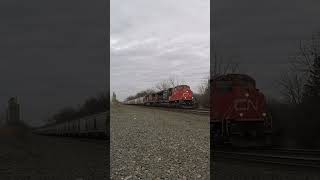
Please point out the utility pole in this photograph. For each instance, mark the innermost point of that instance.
(316, 43)
(13, 111)
(114, 98)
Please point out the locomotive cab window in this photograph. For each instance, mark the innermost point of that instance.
(223, 86)
(182, 87)
(185, 87)
(243, 83)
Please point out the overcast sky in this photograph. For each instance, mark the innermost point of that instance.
(155, 40)
(151, 40)
(53, 54)
(261, 35)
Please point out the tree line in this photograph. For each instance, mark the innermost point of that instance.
(140, 94)
(91, 105)
(297, 117)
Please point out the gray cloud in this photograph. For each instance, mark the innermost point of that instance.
(155, 40)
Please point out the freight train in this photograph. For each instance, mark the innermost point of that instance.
(179, 96)
(89, 126)
(238, 112)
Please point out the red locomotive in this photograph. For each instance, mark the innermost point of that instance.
(238, 110)
(179, 96)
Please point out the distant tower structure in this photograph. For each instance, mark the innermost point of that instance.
(13, 111)
(114, 98)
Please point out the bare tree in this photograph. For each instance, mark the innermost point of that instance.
(149, 91)
(144, 92)
(292, 87)
(164, 84)
(202, 98)
(204, 87)
(130, 98)
(301, 66)
(171, 82)
(303, 60)
(224, 66)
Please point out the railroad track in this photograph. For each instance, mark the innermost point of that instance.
(193, 111)
(277, 151)
(274, 156)
(298, 152)
(184, 110)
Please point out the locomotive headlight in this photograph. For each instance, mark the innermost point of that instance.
(264, 114)
(241, 114)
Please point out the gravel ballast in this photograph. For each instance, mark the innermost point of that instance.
(158, 144)
(36, 157)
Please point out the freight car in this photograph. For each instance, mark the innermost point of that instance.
(238, 113)
(179, 96)
(89, 126)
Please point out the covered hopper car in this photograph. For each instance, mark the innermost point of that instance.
(89, 126)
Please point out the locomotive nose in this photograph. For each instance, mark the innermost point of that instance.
(187, 94)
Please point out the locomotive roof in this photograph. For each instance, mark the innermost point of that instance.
(182, 85)
(236, 77)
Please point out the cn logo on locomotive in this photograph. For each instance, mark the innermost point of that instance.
(245, 104)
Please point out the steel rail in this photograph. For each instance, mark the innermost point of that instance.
(185, 110)
(264, 158)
